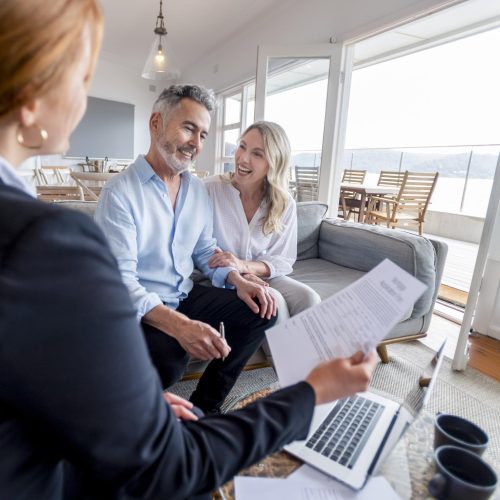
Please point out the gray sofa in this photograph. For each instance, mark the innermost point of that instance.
(333, 253)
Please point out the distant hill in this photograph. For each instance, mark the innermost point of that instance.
(448, 165)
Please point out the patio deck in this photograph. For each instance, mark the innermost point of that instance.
(459, 264)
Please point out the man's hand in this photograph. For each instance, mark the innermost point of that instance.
(248, 291)
(200, 340)
(180, 406)
(227, 259)
(342, 377)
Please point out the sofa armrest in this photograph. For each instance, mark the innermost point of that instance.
(309, 217)
(362, 247)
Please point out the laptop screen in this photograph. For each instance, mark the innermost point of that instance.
(418, 397)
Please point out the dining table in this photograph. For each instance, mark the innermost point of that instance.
(366, 191)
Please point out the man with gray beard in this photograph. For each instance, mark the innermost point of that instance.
(158, 221)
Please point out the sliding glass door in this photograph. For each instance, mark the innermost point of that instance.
(301, 89)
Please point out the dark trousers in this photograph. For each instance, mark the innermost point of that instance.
(244, 334)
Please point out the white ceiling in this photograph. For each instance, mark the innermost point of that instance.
(479, 13)
(194, 27)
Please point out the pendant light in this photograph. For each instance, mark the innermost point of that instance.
(156, 63)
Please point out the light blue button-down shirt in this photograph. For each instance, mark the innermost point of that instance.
(156, 248)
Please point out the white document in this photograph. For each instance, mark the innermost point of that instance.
(375, 487)
(250, 488)
(355, 319)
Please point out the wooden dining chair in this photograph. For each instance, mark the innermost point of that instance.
(306, 183)
(90, 183)
(350, 201)
(53, 183)
(409, 205)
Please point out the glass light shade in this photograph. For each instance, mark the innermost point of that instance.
(156, 67)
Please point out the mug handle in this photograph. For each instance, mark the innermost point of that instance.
(437, 485)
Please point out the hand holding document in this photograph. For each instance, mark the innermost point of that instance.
(355, 319)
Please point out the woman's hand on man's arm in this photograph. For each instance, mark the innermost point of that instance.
(228, 259)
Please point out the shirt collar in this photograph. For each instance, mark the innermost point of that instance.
(145, 171)
(11, 178)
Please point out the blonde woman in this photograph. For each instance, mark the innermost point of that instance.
(255, 217)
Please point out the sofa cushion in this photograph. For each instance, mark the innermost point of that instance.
(309, 217)
(362, 247)
(327, 278)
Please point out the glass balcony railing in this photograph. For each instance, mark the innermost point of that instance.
(465, 172)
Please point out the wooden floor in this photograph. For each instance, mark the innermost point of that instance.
(484, 353)
(459, 264)
(453, 295)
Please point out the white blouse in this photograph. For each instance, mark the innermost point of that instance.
(246, 240)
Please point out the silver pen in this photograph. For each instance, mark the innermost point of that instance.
(222, 333)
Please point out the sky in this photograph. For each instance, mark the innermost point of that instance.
(447, 95)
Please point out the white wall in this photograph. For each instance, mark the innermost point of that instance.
(296, 22)
(119, 83)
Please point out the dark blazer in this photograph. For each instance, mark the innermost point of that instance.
(81, 408)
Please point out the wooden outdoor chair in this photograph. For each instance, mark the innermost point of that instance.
(409, 205)
(354, 176)
(349, 201)
(390, 178)
(306, 183)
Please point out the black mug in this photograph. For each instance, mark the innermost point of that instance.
(461, 475)
(458, 431)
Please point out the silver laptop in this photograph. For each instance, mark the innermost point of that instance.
(350, 438)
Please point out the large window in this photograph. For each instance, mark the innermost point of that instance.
(237, 113)
(433, 110)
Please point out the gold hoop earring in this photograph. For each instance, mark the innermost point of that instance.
(41, 131)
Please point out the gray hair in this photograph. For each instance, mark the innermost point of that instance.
(170, 98)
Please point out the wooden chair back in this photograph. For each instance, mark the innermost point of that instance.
(390, 178)
(90, 183)
(306, 183)
(354, 176)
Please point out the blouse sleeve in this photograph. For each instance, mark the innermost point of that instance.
(281, 253)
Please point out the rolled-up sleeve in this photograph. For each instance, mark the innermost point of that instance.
(118, 225)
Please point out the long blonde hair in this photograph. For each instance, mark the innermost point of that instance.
(277, 151)
(39, 39)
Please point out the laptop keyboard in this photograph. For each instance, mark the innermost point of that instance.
(344, 431)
